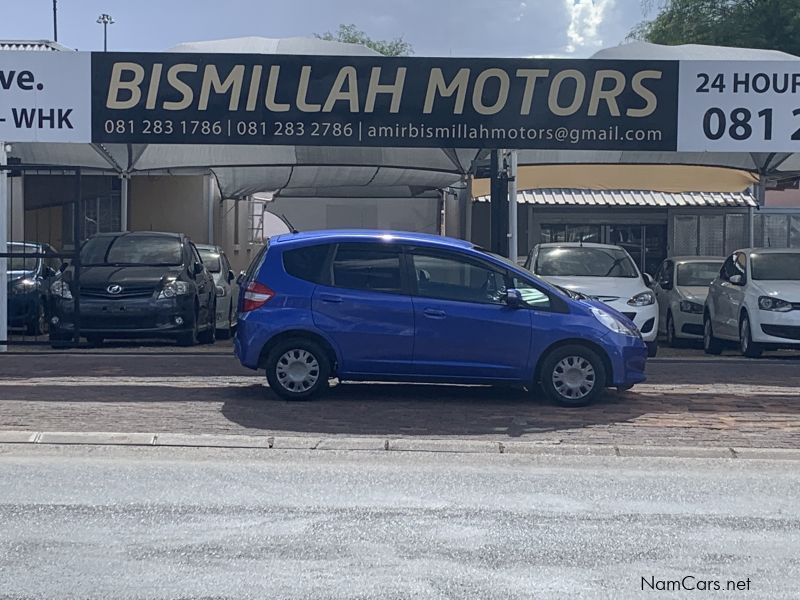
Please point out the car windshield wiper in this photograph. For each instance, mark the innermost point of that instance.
(614, 265)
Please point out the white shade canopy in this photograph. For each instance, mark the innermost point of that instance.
(763, 163)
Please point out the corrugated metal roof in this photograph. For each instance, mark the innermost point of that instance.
(573, 197)
(32, 45)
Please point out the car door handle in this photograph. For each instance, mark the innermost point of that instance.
(434, 313)
(330, 298)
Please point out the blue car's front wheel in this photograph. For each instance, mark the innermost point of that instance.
(573, 375)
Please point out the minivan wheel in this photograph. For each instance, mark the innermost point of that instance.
(297, 369)
(711, 345)
(749, 348)
(573, 375)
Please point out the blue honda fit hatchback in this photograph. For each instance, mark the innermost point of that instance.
(392, 306)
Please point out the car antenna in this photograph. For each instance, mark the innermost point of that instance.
(288, 224)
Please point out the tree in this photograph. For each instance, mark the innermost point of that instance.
(351, 34)
(769, 24)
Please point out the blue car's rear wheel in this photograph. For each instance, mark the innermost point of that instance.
(297, 369)
(573, 375)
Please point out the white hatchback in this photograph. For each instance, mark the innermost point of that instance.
(602, 271)
(754, 301)
(681, 288)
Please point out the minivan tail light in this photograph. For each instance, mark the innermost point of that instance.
(256, 295)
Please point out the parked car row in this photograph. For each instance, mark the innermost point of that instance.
(131, 285)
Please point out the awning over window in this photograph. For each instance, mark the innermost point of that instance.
(632, 198)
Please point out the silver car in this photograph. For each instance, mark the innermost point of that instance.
(217, 263)
(681, 286)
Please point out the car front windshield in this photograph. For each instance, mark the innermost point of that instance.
(774, 266)
(699, 274)
(132, 250)
(210, 259)
(584, 261)
(22, 262)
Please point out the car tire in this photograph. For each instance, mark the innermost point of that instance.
(671, 338)
(209, 335)
(297, 369)
(189, 338)
(225, 334)
(573, 375)
(747, 346)
(38, 325)
(652, 349)
(711, 345)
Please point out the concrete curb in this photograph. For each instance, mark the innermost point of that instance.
(374, 444)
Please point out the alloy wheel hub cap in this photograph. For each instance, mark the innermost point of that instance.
(574, 377)
(297, 370)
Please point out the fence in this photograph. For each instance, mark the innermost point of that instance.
(45, 231)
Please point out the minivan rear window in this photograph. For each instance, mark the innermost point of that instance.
(307, 263)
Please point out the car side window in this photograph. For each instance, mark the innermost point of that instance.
(727, 269)
(307, 263)
(740, 263)
(531, 295)
(373, 267)
(448, 276)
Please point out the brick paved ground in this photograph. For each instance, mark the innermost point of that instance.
(682, 404)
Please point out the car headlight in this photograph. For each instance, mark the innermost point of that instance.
(643, 299)
(172, 289)
(22, 286)
(614, 324)
(220, 291)
(60, 289)
(688, 306)
(775, 304)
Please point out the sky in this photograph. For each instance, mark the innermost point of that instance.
(509, 28)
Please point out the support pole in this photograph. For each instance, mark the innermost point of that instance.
(513, 230)
(209, 190)
(499, 211)
(3, 246)
(123, 202)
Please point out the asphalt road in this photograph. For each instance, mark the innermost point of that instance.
(179, 523)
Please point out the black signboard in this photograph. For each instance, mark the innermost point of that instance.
(377, 101)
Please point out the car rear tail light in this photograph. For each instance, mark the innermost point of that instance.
(256, 295)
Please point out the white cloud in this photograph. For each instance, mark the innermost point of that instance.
(585, 18)
(521, 11)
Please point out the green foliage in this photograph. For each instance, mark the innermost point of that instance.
(353, 35)
(769, 24)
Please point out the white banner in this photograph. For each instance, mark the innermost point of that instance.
(45, 96)
(742, 106)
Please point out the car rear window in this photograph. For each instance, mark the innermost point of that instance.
(306, 263)
(211, 259)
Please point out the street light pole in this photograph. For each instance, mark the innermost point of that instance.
(55, 20)
(105, 20)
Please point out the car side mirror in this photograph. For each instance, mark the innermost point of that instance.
(231, 276)
(63, 267)
(736, 280)
(648, 279)
(240, 278)
(48, 272)
(198, 268)
(513, 298)
(665, 284)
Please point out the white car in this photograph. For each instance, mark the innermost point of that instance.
(755, 301)
(681, 286)
(602, 271)
(217, 263)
